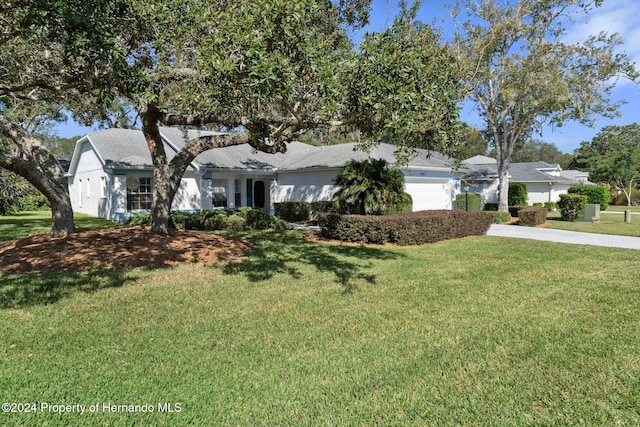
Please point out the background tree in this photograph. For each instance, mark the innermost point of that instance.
(536, 151)
(612, 157)
(371, 187)
(472, 143)
(522, 74)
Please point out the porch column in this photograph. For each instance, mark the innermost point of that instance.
(273, 193)
(119, 198)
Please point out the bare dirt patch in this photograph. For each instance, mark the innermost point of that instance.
(118, 247)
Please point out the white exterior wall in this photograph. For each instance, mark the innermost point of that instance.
(488, 191)
(308, 186)
(188, 197)
(85, 187)
(430, 193)
(542, 192)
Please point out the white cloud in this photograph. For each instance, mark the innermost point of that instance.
(614, 16)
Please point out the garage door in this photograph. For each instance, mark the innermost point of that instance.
(429, 194)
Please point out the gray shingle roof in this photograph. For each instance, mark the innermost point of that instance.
(124, 148)
(479, 168)
(531, 172)
(128, 149)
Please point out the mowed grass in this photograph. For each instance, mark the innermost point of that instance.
(611, 222)
(476, 331)
(28, 223)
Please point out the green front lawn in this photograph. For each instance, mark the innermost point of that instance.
(37, 222)
(476, 331)
(611, 222)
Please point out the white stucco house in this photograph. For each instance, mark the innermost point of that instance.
(545, 182)
(111, 175)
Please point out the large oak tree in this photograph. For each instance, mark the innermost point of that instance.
(268, 72)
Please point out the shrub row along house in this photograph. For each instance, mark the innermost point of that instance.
(111, 175)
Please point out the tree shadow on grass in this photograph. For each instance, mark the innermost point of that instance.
(284, 252)
(31, 289)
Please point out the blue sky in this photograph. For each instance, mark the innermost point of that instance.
(621, 16)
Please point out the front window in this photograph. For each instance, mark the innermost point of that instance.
(139, 193)
(219, 193)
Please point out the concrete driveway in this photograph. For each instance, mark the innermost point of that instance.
(562, 236)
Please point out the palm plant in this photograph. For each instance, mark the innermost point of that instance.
(370, 187)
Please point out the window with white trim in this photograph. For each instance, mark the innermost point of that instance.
(219, 193)
(139, 193)
(103, 187)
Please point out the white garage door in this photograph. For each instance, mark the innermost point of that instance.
(429, 194)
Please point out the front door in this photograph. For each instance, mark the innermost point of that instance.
(259, 194)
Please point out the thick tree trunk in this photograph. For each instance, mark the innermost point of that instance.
(162, 194)
(33, 161)
(503, 189)
(168, 175)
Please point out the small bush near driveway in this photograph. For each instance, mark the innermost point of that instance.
(532, 217)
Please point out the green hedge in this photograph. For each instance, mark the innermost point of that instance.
(475, 201)
(501, 217)
(325, 206)
(217, 219)
(532, 216)
(595, 194)
(517, 194)
(492, 207)
(513, 210)
(572, 206)
(413, 228)
(293, 211)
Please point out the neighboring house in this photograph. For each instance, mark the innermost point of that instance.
(545, 182)
(111, 174)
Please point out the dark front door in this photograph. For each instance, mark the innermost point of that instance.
(259, 194)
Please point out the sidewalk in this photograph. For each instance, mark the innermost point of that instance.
(562, 236)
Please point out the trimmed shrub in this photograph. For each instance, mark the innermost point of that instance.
(492, 207)
(595, 194)
(327, 206)
(475, 201)
(293, 211)
(215, 220)
(236, 222)
(551, 206)
(532, 216)
(501, 217)
(513, 210)
(413, 228)
(517, 194)
(572, 206)
(185, 220)
(138, 219)
(257, 219)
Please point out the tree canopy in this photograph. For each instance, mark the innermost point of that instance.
(269, 72)
(522, 74)
(612, 157)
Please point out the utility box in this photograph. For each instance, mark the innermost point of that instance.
(591, 213)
